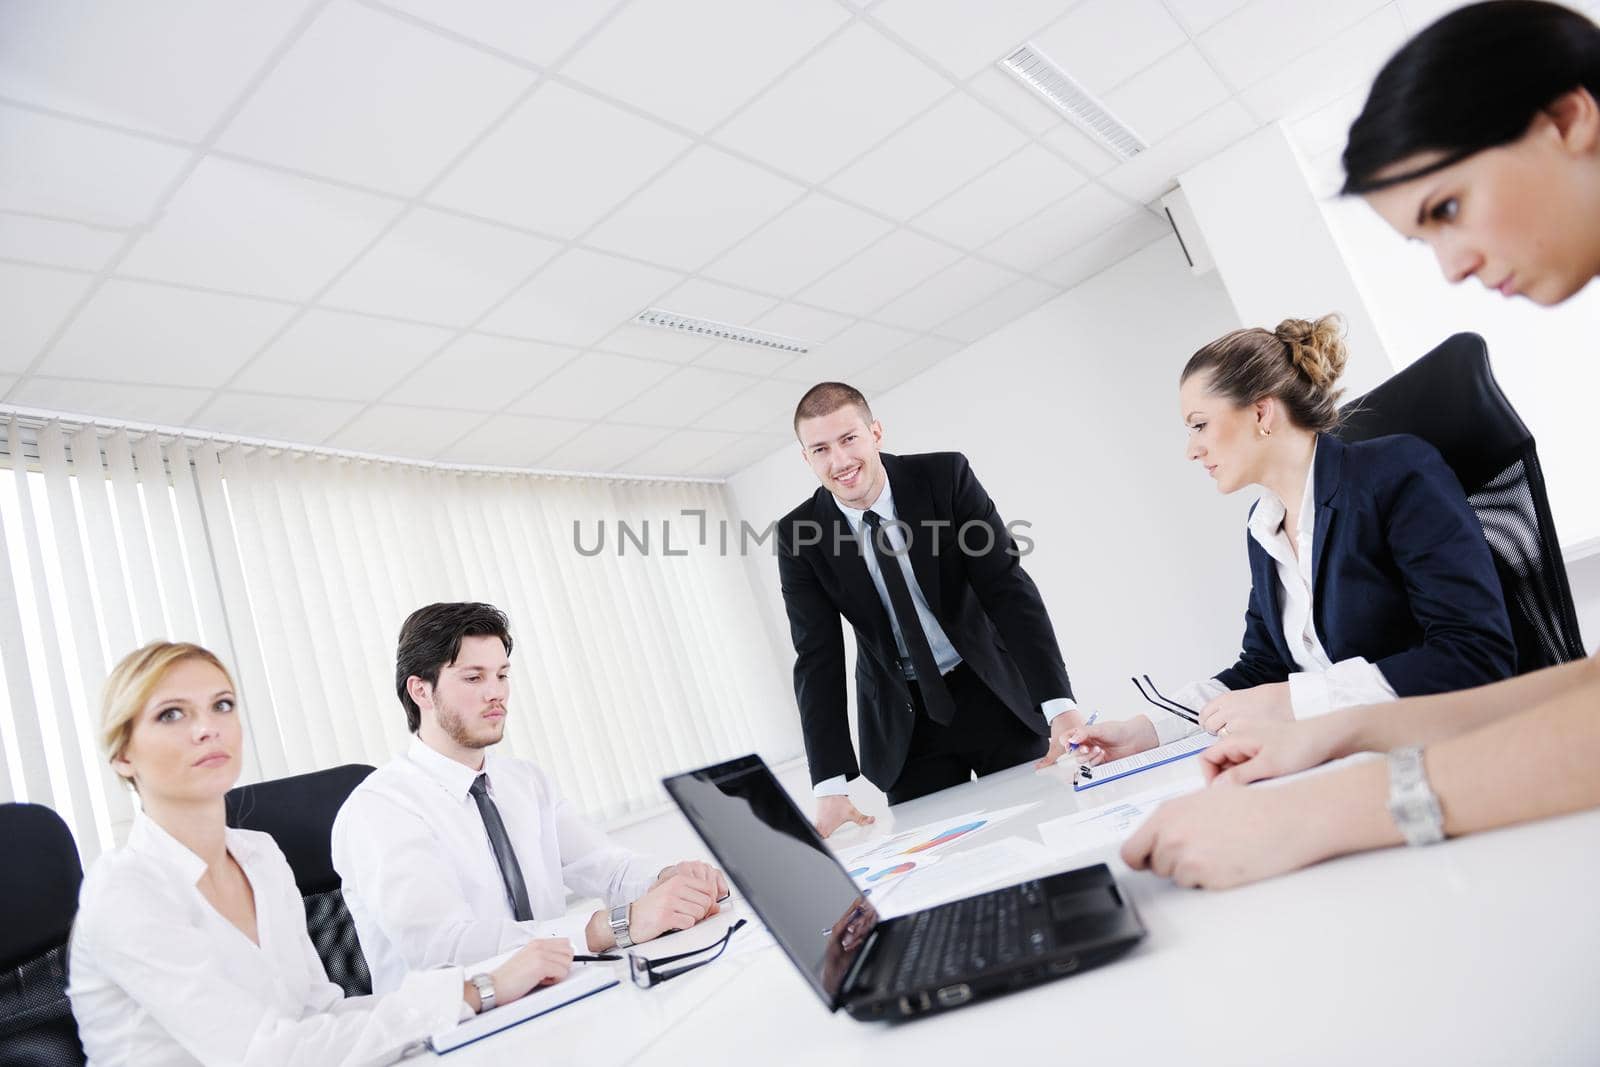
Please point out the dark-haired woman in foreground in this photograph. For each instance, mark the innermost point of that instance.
(1481, 137)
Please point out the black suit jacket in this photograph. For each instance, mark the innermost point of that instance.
(1401, 575)
(987, 605)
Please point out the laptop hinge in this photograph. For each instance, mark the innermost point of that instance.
(848, 985)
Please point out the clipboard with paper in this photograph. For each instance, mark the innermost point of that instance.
(1149, 759)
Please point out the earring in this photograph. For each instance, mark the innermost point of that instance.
(1265, 432)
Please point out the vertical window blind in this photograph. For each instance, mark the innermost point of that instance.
(297, 567)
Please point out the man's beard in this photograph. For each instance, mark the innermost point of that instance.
(455, 728)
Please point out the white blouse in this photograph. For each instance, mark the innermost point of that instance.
(159, 978)
(1320, 685)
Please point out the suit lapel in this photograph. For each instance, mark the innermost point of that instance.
(1327, 469)
(1264, 575)
(843, 553)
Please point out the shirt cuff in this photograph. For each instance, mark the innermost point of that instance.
(837, 786)
(573, 926)
(1196, 695)
(1308, 694)
(1058, 706)
(431, 1000)
(1348, 683)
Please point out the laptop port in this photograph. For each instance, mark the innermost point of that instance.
(915, 1004)
(951, 995)
(1066, 966)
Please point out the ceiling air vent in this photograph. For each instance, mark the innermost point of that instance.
(1039, 72)
(719, 331)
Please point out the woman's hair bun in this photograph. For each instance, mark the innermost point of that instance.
(1315, 348)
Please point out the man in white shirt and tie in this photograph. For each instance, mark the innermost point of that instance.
(454, 853)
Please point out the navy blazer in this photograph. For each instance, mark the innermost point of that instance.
(1401, 575)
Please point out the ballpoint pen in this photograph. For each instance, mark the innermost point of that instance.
(1088, 723)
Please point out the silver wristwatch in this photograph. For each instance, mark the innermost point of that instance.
(1412, 803)
(485, 987)
(619, 926)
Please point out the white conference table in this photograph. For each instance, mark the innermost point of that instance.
(1483, 950)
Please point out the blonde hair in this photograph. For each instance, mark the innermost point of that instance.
(131, 682)
(1297, 364)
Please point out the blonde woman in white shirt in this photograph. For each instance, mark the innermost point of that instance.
(1371, 578)
(190, 945)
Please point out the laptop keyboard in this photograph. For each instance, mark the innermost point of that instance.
(955, 941)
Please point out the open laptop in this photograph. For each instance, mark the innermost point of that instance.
(911, 965)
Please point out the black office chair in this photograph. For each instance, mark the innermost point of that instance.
(298, 812)
(38, 899)
(1450, 399)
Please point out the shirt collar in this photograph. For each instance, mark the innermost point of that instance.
(147, 838)
(884, 506)
(1270, 511)
(455, 778)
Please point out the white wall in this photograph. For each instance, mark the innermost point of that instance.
(1275, 249)
(1070, 418)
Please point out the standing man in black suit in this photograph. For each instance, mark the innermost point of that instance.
(957, 667)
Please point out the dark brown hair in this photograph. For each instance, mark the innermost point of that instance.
(1297, 364)
(1473, 80)
(430, 640)
(825, 398)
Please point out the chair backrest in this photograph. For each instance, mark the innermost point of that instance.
(38, 899)
(298, 812)
(1450, 399)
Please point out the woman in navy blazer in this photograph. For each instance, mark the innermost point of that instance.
(1375, 583)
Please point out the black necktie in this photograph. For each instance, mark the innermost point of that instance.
(510, 873)
(935, 697)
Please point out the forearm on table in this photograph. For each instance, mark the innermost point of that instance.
(1531, 765)
(1538, 763)
(1428, 719)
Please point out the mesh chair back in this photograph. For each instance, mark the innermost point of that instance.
(298, 812)
(38, 899)
(1450, 399)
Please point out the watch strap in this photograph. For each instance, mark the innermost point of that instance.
(485, 987)
(1412, 803)
(619, 926)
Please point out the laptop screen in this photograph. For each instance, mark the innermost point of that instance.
(780, 865)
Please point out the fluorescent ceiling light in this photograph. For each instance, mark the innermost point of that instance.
(721, 331)
(1040, 73)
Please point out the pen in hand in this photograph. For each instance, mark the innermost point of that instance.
(604, 957)
(1090, 722)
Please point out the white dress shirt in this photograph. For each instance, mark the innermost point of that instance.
(1320, 685)
(944, 653)
(420, 877)
(159, 978)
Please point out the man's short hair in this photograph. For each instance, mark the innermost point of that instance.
(825, 398)
(430, 640)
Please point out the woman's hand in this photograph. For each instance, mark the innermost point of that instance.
(538, 963)
(1261, 703)
(1111, 740)
(1272, 749)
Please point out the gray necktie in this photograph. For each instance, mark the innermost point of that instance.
(935, 695)
(510, 873)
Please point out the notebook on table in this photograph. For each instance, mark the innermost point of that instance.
(576, 986)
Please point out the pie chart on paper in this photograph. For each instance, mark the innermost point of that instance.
(890, 872)
(946, 836)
